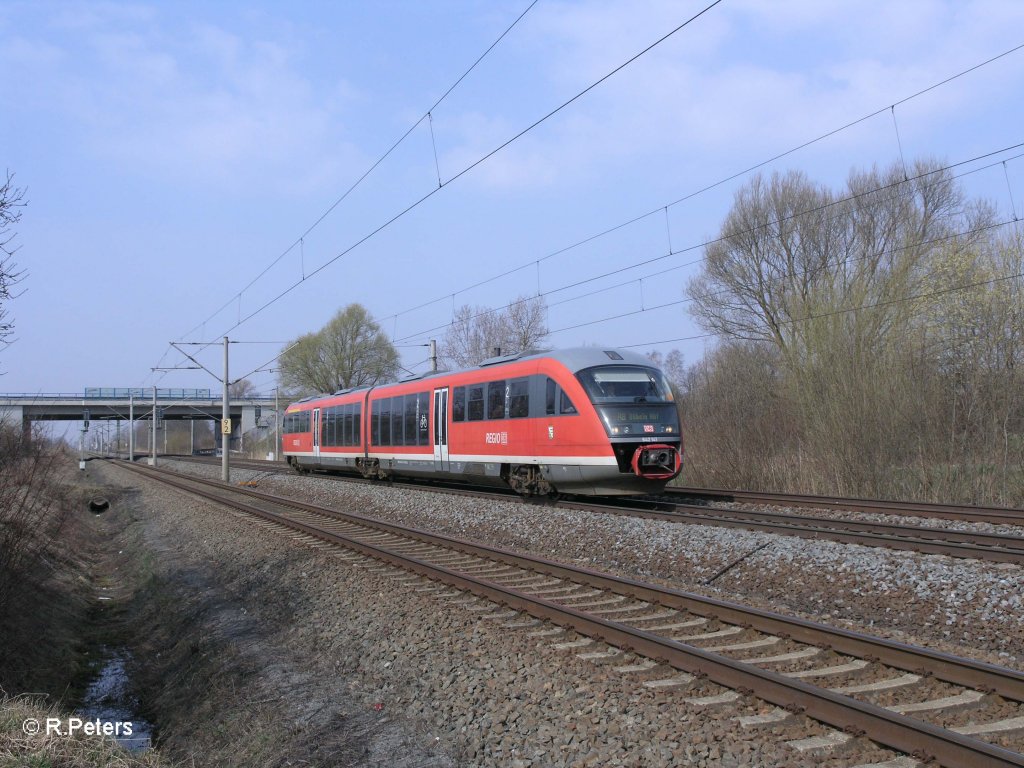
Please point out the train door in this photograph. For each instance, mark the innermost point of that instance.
(316, 434)
(441, 430)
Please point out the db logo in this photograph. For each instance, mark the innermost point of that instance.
(648, 427)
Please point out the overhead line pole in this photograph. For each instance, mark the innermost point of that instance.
(131, 426)
(152, 433)
(225, 423)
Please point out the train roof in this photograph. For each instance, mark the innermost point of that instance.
(575, 359)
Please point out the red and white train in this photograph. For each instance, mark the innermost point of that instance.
(577, 421)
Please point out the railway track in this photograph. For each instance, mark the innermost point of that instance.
(904, 697)
(996, 547)
(993, 547)
(961, 512)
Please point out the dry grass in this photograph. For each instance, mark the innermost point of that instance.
(42, 751)
(891, 427)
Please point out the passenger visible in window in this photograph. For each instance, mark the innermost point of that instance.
(496, 400)
(475, 403)
(566, 406)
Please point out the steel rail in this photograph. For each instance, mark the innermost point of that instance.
(905, 531)
(936, 541)
(883, 726)
(992, 547)
(966, 512)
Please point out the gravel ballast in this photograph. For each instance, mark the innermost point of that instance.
(465, 689)
(963, 606)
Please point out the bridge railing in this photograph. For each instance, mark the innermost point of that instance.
(109, 394)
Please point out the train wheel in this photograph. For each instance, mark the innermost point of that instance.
(527, 480)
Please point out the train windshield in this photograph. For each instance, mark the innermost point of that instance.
(625, 384)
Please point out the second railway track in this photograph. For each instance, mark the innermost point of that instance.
(743, 649)
(951, 542)
(960, 512)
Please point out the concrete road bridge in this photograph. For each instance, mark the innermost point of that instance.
(137, 404)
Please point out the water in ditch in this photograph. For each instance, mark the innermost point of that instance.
(108, 699)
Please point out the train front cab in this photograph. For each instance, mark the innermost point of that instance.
(638, 413)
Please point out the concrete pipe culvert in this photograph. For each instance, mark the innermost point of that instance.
(98, 505)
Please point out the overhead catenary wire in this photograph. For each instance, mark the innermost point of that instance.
(773, 223)
(358, 181)
(663, 208)
(714, 185)
(704, 244)
(687, 300)
(847, 310)
(807, 318)
(907, 188)
(425, 116)
(467, 169)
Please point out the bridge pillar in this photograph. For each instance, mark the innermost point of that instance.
(11, 415)
(248, 418)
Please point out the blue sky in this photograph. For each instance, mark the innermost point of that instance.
(172, 151)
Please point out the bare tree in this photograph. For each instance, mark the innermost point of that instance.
(350, 351)
(792, 255)
(671, 365)
(12, 200)
(871, 342)
(241, 389)
(477, 331)
(33, 504)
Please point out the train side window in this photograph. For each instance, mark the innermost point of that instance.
(357, 424)
(459, 404)
(566, 406)
(375, 422)
(496, 399)
(397, 420)
(345, 425)
(423, 414)
(549, 399)
(385, 421)
(410, 420)
(519, 399)
(475, 403)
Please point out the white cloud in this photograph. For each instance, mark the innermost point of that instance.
(200, 105)
(750, 76)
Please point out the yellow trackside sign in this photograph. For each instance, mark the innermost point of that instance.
(225, 426)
